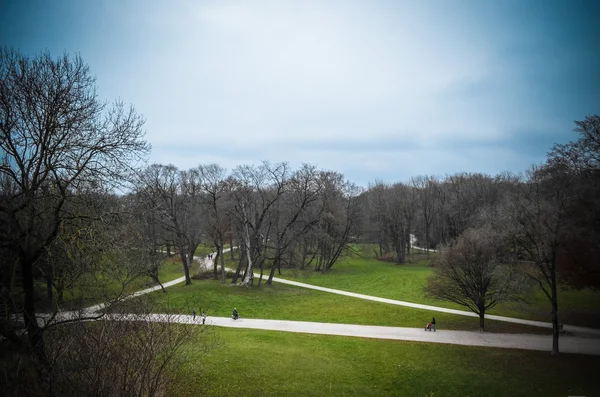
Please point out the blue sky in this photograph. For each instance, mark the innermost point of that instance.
(374, 89)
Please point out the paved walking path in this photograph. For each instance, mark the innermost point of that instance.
(589, 344)
(568, 344)
(568, 328)
(207, 265)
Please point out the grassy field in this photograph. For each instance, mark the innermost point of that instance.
(285, 302)
(367, 275)
(91, 288)
(205, 249)
(258, 363)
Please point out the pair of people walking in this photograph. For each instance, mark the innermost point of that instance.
(202, 316)
(430, 325)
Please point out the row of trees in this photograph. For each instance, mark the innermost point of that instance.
(541, 226)
(277, 216)
(65, 231)
(437, 210)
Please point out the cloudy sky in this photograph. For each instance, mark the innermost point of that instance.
(373, 89)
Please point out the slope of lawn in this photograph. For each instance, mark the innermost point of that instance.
(283, 302)
(92, 288)
(366, 275)
(269, 363)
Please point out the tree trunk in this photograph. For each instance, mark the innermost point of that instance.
(304, 255)
(49, 288)
(35, 334)
(481, 320)
(186, 265)
(555, 325)
(271, 274)
(231, 246)
(238, 270)
(222, 256)
(157, 281)
(248, 278)
(216, 263)
(399, 254)
(427, 239)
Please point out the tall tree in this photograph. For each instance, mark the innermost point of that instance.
(215, 191)
(399, 212)
(580, 159)
(259, 188)
(427, 194)
(56, 138)
(177, 198)
(295, 215)
(539, 210)
(339, 221)
(474, 272)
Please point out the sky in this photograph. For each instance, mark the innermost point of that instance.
(380, 90)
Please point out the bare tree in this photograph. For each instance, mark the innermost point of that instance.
(473, 272)
(427, 197)
(56, 138)
(538, 212)
(398, 215)
(122, 355)
(339, 220)
(177, 198)
(296, 214)
(258, 190)
(580, 160)
(215, 190)
(374, 206)
(582, 155)
(145, 224)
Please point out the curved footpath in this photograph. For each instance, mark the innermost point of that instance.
(568, 344)
(569, 328)
(587, 343)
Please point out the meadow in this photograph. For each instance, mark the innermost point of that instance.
(259, 363)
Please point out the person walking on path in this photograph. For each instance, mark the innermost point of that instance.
(194, 314)
(203, 316)
(433, 324)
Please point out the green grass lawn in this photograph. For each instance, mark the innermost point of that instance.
(205, 249)
(366, 275)
(283, 302)
(170, 269)
(91, 288)
(269, 363)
